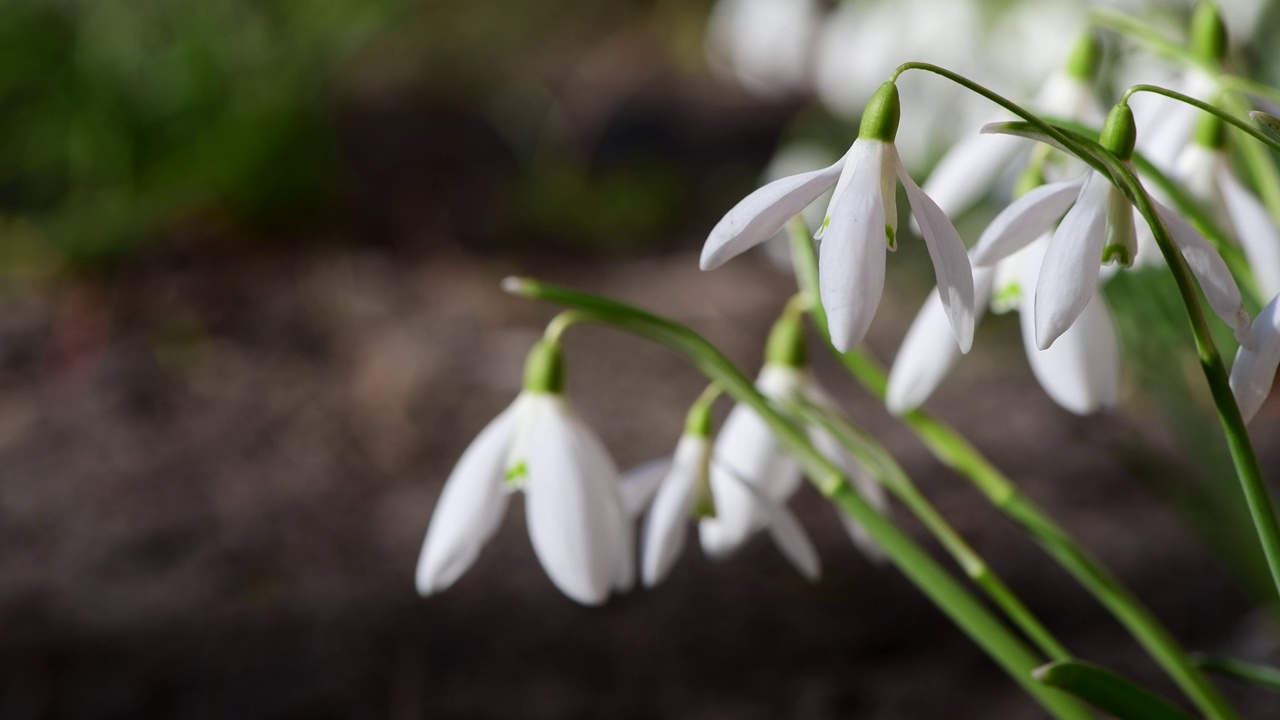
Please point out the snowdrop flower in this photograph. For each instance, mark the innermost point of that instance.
(860, 226)
(1080, 372)
(750, 470)
(1205, 170)
(973, 165)
(684, 495)
(1254, 369)
(576, 520)
(1098, 228)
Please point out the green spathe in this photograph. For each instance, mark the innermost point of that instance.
(1119, 133)
(544, 368)
(881, 116)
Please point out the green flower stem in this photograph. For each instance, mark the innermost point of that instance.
(1005, 648)
(890, 474)
(1249, 473)
(958, 454)
(1226, 116)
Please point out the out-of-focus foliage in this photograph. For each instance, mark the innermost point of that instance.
(119, 117)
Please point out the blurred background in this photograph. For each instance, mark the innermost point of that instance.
(250, 317)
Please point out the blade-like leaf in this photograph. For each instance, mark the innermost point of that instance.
(1109, 692)
(1263, 676)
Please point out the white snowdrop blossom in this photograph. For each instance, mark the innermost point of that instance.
(1080, 372)
(1098, 228)
(751, 473)
(860, 226)
(1254, 369)
(576, 518)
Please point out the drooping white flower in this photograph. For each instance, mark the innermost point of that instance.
(1098, 228)
(577, 522)
(860, 226)
(1254, 369)
(1080, 372)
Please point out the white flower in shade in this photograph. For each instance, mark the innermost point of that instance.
(1205, 170)
(861, 226)
(684, 495)
(1254, 370)
(969, 170)
(577, 523)
(1098, 228)
(1080, 372)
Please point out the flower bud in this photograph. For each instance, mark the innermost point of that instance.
(1085, 58)
(786, 346)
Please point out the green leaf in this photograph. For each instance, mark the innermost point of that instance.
(1271, 122)
(1263, 676)
(1108, 691)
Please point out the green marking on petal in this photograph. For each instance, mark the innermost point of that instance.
(1007, 298)
(891, 236)
(1117, 254)
(516, 474)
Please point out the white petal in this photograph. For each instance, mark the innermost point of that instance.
(760, 215)
(667, 524)
(793, 541)
(1026, 219)
(852, 256)
(1255, 231)
(470, 507)
(639, 484)
(783, 527)
(950, 261)
(574, 513)
(928, 352)
(1069, 273)
(747, 447)
(1081, 371)
(1255, 369)
(969, 170)
(1215, 280)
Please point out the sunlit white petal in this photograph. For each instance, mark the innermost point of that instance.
(852, 256)
(1081, 370)
(950, 261)
(1026, 219)
(760, 215)
(1069, 273)
(470, 507)
(1211, 272)
(574, 513)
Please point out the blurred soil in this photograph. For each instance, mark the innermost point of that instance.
(215, 477)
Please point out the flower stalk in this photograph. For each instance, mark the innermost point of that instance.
(957, 453)
(1005, 648)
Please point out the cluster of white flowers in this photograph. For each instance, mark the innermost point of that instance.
(580, 511)
(1045, 255)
